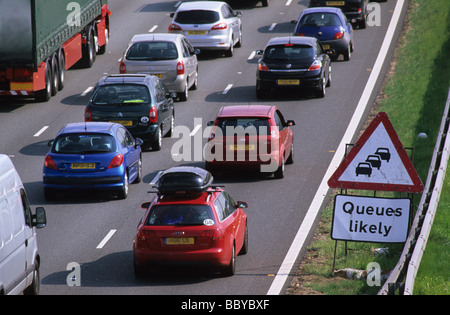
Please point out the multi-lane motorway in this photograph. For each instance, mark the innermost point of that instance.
(96, 231)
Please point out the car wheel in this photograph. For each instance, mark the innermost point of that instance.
(138, 178)
(279, 173)
(123, 194)
(183, 96)
(170, 132)
(260, 92)
(139, 271)
(156, 145)
(45, 94)
(329, 77)
(34, 287)
(230, 51)
(239, 43)
(265, 3)
(244, 248)
(230, 269)
(348, 53)
(290, 159)
(49, 194)
(195, 85)
(321, 91)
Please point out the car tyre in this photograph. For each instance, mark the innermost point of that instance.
(34, 287)
(138, 178)
(183, 96)
(279, 173)
(244, 248)
(123, 194)
(322, 86)
(230, 51)
(290, 159)
(229, 270)
(156, 145)
(348, 53)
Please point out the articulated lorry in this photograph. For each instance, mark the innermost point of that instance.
(41, 39)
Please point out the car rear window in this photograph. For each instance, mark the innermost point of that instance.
(250, 125)
(320, 19)
(197, 17)
(180, 214)
(84, 143)
(152, 51)
(288, 52)
(123, 94)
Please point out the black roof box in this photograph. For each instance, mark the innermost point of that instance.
(184, 179)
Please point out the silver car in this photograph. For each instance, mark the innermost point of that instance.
(208, 25)
(168, 56)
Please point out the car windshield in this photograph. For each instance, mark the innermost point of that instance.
(180, 214)
(320, 19)
(197, 17)
(152, 51)
(288, 52)
(84, 143)
(245, 125)
(123, 94)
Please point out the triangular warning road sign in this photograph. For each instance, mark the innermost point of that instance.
(378, 161)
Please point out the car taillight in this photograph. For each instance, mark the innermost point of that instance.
(300, 34)
(338, 35)
(49, 163)
(220, 26)
(116, 161)
(174, 28)
(153, 114)
(122, 67)
(180, 67)
(87, 114)
(316, 65)
(262, 66)
(140, 236)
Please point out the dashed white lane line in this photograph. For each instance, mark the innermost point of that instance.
(153, 29)
(288, 3)
(272, 27)
(87, 91)
(37, 134)
(227, 89)
(106, 239)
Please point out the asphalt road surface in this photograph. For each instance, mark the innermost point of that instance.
(96, 231)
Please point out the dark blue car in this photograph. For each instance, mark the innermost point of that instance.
(330, 26)
(92, 155)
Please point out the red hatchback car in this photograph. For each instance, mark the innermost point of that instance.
(250, 136)
(190, 221)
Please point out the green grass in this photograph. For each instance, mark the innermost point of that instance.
(414, 99)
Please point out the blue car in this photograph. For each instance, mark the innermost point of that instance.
(92, 155)
(331, 28)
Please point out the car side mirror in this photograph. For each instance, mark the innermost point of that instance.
(259, 52)
(146, 205)
(138, 142)
(172, 14)
(40, 218)
(293, 21)
(291, 122)
(50, 142)
(210, 123)
(197, 51)
(330, 52)
(238, 14)
(241, 204)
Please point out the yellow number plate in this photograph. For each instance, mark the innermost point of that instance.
(288, 82)
(241, 147)
(335, 2)
(179, 241)
(326, 47)
(83, 166)
(126, 123)
(196, 32)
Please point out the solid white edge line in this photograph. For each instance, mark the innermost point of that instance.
(106, 239)
(299, 240)
(37, 134)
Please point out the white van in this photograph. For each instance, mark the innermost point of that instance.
(19, 257)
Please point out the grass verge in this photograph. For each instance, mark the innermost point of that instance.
(414, 97)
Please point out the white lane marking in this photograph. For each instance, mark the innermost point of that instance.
(302, 233)
(87, 91)
(178, 4)
(272, 27)
(153, 29)
(37, 134)
(155, 179)
(106, 239)
(227, 89)
(251, 55)
(288, 3)
(196, 129)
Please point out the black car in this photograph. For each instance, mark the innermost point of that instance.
(140, 102)
(355, 10)
(293, 62)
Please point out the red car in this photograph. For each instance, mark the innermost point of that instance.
(250, 136)
(190, 221)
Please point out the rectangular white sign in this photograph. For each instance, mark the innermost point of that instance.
(370, 219)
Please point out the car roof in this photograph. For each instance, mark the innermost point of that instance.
(202, 5)
(155, 37)
(321, 9)
(200, 198)
(245, 111)
(125, 78)
(299, 40)
(95, 127)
